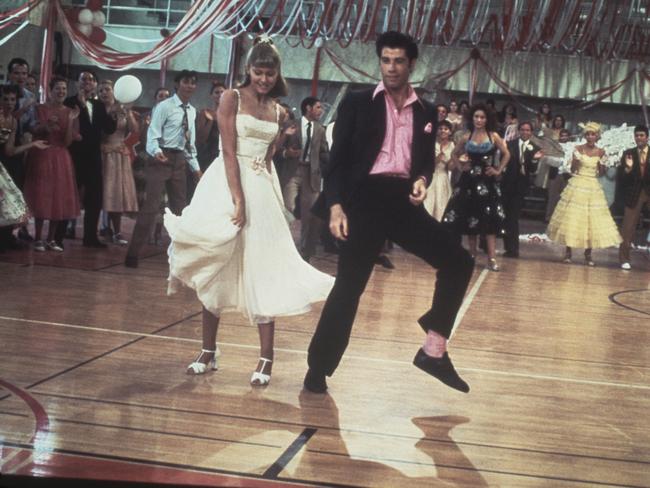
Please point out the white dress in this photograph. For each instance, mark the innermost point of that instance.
(255, 270)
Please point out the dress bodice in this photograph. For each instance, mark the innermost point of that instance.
(480, 153)
(446, 152)
(57, 117)
(119, 135)
(254, 136)
(588, 164)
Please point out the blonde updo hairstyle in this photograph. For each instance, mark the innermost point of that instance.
(264, 54)
(591, 126)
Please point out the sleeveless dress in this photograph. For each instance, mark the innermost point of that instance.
(475, 205)
(439, 190)
(50, 183)
(581, 217)
(119, 184)
(257, 269)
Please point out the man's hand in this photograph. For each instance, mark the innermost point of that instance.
(160, 156)
(629, 162)
(338, 222)
(419, 192)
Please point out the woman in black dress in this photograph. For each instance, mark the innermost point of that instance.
(475, 205)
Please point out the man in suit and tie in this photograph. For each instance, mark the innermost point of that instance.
(634, 176)
(305, 154)
(381, 163)
(86, 153)
(515, 182)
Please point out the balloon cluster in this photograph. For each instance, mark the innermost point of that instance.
(89, 20)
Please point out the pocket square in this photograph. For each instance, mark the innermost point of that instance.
(428, 128)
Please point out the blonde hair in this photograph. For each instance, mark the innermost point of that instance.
(590, 126)
(264, 54)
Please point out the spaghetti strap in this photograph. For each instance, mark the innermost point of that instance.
(277, 113)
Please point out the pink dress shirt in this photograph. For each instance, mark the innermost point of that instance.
(394, 158)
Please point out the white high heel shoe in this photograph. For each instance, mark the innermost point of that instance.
(198, 367)
(259, 378)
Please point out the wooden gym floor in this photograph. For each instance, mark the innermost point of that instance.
(93, 383)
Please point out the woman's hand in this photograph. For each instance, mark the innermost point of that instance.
(239, 216)
(492, 171)
(73, 114)
(40, 144)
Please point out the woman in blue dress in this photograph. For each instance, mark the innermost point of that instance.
(475, 206)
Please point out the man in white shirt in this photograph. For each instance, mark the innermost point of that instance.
(171, 144)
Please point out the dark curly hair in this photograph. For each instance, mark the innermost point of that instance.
(490, 117)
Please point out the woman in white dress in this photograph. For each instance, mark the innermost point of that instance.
(439, 191)
(232, 244)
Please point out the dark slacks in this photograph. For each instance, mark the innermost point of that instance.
(170, 175)
(512, 204)
(630, 221)
(381, 210)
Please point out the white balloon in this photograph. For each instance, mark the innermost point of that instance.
(85, 16)
(85, 29)
(99, 19)
(127, 89)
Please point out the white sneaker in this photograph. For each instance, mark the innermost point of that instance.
(53, 246)
(626, 266)
(39, 246)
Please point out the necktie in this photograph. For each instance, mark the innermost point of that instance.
(643, 160)
(522, 149)
(186, 129)
(307, 142)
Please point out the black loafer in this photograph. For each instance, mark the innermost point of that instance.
(131, 262)
(440, 368)
(315, 382)
(384, 262)
(95, 243)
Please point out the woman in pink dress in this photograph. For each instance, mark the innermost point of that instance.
(119, 184)
(50, 187)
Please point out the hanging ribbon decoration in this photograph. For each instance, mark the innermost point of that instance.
(46, 58)
(475, 56)
(314, 77)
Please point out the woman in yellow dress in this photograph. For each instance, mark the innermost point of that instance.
(581, 217)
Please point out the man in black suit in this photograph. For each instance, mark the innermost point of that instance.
(86, 153)
(381, 162)
(634, 178)
(515, 182)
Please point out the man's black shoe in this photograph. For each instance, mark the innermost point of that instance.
(315, 382)
(440, 368)
(23, 235)
(383, 260)
(131, 262)
(96, 243)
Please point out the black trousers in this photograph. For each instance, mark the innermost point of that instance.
(512, 204)
(381, 210)
(90, 183)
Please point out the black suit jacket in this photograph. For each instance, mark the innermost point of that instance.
(512, 181)
(630, 184)
(87, 151)
(358, 136)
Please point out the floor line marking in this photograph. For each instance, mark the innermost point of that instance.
(468, 300)
(359, 358)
